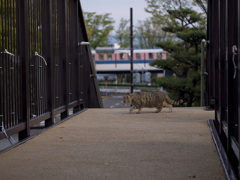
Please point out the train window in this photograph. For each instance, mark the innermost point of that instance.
(138, 55)
(101, 56)
(150, 55)
(159, 55)
(122, 56)
(109, 56)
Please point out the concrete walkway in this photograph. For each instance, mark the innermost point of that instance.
(111, 144)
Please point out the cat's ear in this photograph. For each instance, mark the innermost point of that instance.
(128, 97)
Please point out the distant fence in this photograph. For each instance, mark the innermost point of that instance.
(45, 70)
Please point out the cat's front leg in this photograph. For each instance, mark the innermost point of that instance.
(139, 110)
(132, 108)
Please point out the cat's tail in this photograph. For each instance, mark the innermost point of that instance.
(170, 101)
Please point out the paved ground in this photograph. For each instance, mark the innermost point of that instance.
(113, 144)
(114, 101)
(111, 101)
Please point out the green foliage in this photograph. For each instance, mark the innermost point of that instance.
(122, 34)
(8, 27)
(148, 34)
(98, 28)
(184, 61)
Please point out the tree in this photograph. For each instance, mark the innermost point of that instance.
(202, 4)
(185, 59)
(148, 34)
(122, 34)
(98, 28)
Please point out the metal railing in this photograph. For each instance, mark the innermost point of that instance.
(42, 71)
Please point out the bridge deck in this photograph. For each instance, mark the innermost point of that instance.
(113, 144)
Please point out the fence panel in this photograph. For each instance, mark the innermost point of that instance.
(42, 71)
(10, 67)
(223, 33)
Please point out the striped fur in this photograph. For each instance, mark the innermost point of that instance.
(152, 99)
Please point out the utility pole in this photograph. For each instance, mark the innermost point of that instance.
(131, 46)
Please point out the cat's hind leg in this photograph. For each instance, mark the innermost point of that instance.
(158, 109)
(170, 107)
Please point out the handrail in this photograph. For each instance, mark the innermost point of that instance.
(93, 71)
(36, 54)
(6, 52)
(234, 51)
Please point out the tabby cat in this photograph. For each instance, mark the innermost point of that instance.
(152, 99)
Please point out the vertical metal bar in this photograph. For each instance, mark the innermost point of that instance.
(62, 12)
(10, 24)
(7, 8)
(14, 88)
(41, 67)
(69, 52)
(1, 66)
(11, 88)
(238, 73)
(35, 61)
(4, 72)
(7, 92)
(78, 57)
(38, 98)
(202, 70)
(47, 52)
(131, 46)
(1, 21)
(232, 82)
(30, 58)
(4, 90)
(13, 65)
(18, 80)
(209, 63)
(14, 27)
(74, 50)
(5, 42)
(10, 66)
(222, 72)
(227, 83)
(216, 60)
(23, 39)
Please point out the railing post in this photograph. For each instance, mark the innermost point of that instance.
(131, 46)
(23, 53)
(202, 69)
(62, 13)
(73, 35)
(47, 53)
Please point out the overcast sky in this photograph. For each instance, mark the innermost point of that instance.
(117, 8)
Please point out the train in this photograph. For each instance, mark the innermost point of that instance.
(110, 54)
(110, 62)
